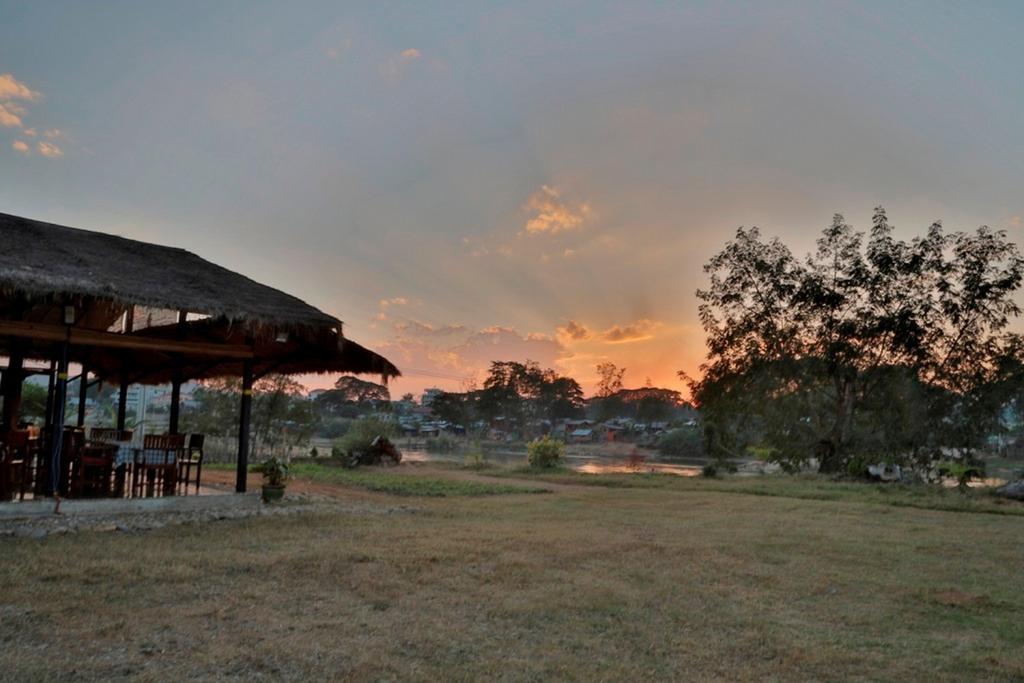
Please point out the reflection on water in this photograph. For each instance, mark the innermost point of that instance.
(596, 463)
(637, 468)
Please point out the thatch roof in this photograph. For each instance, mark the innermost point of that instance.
(44, 260)
(325, 352)
(45, 266)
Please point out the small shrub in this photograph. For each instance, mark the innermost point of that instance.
(709, 470)
(545, 452)
(963, 472)
(314, 453)
(476, 459)
(361, 434)
(274, 471)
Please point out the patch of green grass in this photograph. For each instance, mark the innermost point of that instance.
(402, 484)
(803, 487)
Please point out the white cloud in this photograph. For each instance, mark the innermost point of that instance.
(394, 67)
(339, 48)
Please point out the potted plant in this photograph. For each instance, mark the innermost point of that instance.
(275, 477)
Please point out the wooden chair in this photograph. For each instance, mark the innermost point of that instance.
(192, 458)
(155, 466)
(92, 470)
(15, 464)
(116, 437)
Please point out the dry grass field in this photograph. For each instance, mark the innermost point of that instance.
(579, 583)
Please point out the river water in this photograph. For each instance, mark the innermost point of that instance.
(589, 462)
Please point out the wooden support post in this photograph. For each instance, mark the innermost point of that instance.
(243, 428)
(83, 389)
(10, 387)
(172, 427)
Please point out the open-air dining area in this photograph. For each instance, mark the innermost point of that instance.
(83, 308)
(101, 463)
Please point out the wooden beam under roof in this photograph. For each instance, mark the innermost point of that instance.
(80, 337)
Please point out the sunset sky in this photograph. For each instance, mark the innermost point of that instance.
(467, 182)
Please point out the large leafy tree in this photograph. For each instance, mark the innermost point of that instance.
(351, 391)
(281, 416)
(869, 347)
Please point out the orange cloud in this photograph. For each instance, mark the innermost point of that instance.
(637, 331)
(550, 214)
(49, 150)
(9, 117)
(573, 331)
(13, 89)
(20, 146)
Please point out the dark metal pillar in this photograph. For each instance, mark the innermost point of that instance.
(122, 399)
(50, 386)
(122, 406)
(172, 427)
(243, 428)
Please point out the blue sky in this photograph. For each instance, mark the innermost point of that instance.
(462, 182)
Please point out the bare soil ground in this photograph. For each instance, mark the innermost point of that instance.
(582, 583)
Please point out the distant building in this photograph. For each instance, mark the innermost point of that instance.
(583, 435)
(429, 395)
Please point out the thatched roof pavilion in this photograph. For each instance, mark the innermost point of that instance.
(135, 312)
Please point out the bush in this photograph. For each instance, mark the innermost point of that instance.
(361, 434)
(685, 441)
(442, 443)
(274, 471)
(544, 452)
(962, 472)
(709, 470)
